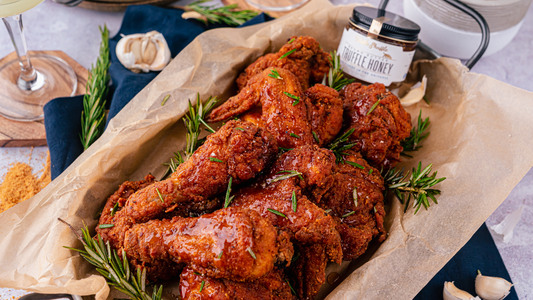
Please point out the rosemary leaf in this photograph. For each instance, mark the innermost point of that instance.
(251, 252)
(316, 137)
(241, 129)
(373, 107)
(294, 135)
(165, 100)
(104, 226)
(159, 194)
(287, 54)
(354, 164)
(220, 254)
(114, 209)
(276, 212)
(286, 176)
(202, 286)
(291, 96)
(355, 196)
(215, 159)
(348, 214)
(292, 290)
(292, 40)
(294, 201)
(228, 191)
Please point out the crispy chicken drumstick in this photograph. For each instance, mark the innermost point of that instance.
(230, 243)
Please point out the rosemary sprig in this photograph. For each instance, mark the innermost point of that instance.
(192, 120)
(335, 75)
(339, 145)
(418, 134)
(274, 74)
(416, 185)
(93, 114)
(225, 14)
(287, 176)
(115, 269)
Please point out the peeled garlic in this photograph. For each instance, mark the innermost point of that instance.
(492, 288)
(506, 227)
(416, 93)
(143, 52)
(451, 292)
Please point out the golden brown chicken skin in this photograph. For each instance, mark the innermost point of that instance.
(283, 116)
(294, 117)
(358, 223)
(309, 271)
(272, 286)
(308, 223)
(308, 62)
(232, 243)
(239, 150)
(377, 131)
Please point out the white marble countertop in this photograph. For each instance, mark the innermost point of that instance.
(51, 26)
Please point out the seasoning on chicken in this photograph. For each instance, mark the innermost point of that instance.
(272, 286)
(239, 150)
(294, 117)
(232, 243)
(379, 122)
(305, 59)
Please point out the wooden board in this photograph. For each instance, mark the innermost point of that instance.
(27, 134)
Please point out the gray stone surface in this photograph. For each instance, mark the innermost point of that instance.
(51, 26)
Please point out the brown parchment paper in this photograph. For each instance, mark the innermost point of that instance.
(481, 140)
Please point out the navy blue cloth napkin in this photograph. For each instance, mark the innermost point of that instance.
(62, 115)
(62, 123)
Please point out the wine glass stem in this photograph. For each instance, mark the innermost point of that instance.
(29, 79)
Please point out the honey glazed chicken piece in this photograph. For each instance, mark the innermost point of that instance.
(231, 243)
(355, 198)
(304, 220)
(378, 128)
(306, 60)
(272, 286)
(239, 150)
(294, 117)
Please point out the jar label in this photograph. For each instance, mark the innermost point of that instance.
(371, 60)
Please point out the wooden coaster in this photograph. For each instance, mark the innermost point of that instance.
(27, 134)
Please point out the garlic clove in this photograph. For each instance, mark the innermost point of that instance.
(451, 292)
(143, 52)
(492, 288)
(415, 94)
(506, 227)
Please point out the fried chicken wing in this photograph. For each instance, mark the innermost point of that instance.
(293, 117)
(284, 119)
(231, 243)
(308, 223)
(272, 286)
(377, 132)
(239, 150)
(307, 61)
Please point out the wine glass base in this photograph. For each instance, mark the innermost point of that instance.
(58, 79)
(276, 5)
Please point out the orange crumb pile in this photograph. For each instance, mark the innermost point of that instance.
(20, 184)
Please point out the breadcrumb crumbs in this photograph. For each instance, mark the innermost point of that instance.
(20, 184)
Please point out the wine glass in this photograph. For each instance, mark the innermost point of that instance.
(26, 86)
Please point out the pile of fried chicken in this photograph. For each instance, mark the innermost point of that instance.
(294, 206)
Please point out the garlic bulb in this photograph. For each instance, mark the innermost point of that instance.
(451, 292)
(492, 288)
(416, 93)
(143, 52)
